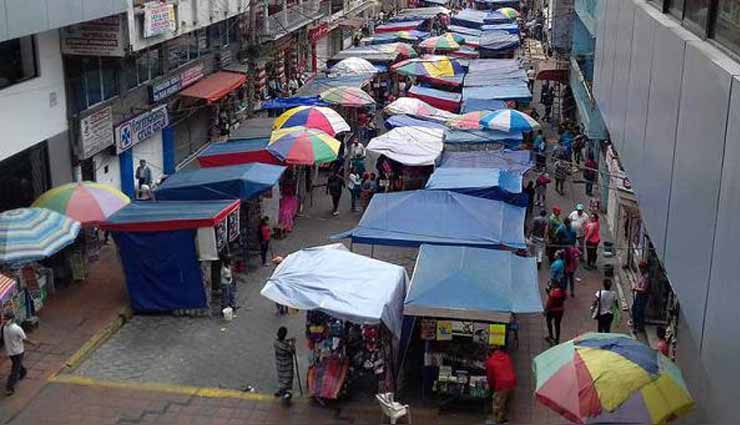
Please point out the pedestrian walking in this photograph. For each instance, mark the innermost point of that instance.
(540, 188)
(572, 257)
(265, 234)
(604, 306)
(284, 352)
(640, 294)
(561, 174)
(590, 174)
(538, 235)
(557, 269)
(565, 236)
(13, 338)
(662, 345)
(553, 224)
(353, 184)
(530, 192)
(579, 143)
(578, 220)
(539, 146)
(592, 238)
(554, 310)
(502, 380)
(334, 187)
(227, 285)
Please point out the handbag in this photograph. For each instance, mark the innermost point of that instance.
(595, 311)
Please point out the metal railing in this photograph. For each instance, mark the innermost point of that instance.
(291, 19)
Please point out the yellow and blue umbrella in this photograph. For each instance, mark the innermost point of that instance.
(509, 12)
(32, 234)
(303, 146)
(509, 120)
(429, 66)
(610, 378)
(316, 117)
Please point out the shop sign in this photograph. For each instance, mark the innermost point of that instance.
(317, 33)
(497, 334)
(159, 19)
(96, 132)
(176, 83)
(101, 37)
(140, 128)
(233, 225)
(617, 177)
(428, 329)
(444, 330)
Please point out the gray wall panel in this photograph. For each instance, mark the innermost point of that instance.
(721, 333)
(26, 16)
(696, 178)
(92, 9)
(599, 55)
(622, 72)
(3, 21)
(641, 63)
(62, 12)
(607, 72)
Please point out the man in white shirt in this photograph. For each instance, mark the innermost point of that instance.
(13, 337)
(578, 221)
(357, 151)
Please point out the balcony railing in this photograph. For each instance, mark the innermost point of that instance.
(295, 17)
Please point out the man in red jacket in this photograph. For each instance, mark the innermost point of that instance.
(502, 380)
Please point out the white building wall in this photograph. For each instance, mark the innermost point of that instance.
(35, 110)
(191, 15)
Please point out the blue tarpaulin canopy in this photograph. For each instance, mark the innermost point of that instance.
(407, 121)
(242, 182)
(169, 215)
(470, 18)
(498, 41)
(457, 137)
(292, 102)
(318, 85)
(495, 184)
(475, 284)
(511, 28)
(340, 283)
(517, 161)
(486, 72)
(464, 31)
(496, 17)
(481, 98)
(438, 217)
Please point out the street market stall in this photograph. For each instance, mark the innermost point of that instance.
(166, 249)
(354, 316)
(488, 183)
(514, 161)
(437, 98)
(407, 121)
(413, 151)
(498, 44)
(463, 300)
(237, 151)
(417, 108)
(438, 217)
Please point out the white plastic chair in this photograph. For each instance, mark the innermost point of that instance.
(392, 409)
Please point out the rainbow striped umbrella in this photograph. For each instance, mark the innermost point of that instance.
(469, 121)
(444, 42)
(404, 50)
(303, 146)
(603, 378)
(509, 120)
(87, 202)
(347, 96)
(429, 66)
(509, 12)
(32, 234)
(316, 117)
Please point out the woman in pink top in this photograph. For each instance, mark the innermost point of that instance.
(593, 239)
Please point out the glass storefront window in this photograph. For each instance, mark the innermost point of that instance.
(727, 24)
(696, 13)
(17, 61)
(675, 8)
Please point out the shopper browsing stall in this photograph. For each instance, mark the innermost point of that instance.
(502, 379)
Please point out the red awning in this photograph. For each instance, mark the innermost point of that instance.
(215, 86)
(559, 75)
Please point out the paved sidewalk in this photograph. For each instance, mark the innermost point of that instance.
(68, 320)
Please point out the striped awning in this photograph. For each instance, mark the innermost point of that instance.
(7, 285)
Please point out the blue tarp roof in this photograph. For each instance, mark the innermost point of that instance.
(318, 85)
(474, 284)
(159, 216)
(438, 217)
(475, 181)
(511, 28)
(496, 17)
(407, 121)
(292, 102)
(380, 39)
(498, 41)
(340, 283)
(236, 146)
(470, 18)
(398, 26)
(244, 181)
(478, 98)
(518, 161)
(464, 31)
(435, 93)
(482, 136)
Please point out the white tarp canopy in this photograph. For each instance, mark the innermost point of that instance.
(343, 284)
(410, 145)
(418, 108)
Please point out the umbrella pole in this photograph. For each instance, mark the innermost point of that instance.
(298, 373)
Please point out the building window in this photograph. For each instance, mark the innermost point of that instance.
(93, 79)
(727, 24)
(675, 8)
(17, 61)
(186, 48)
(696, 14)
(144, 67)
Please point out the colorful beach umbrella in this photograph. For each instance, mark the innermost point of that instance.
(316, 117)
(444, 42)
(347, 96)
(469, 121)
(87, 202)
(353, 66)
(429, 66)
(509, 12)
(509, 120)
(610, 378)
(303, 146)
(404, 50)
(32, 234)
(410, 36)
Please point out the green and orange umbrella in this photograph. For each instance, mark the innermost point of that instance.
(303, 146)
(609, 378)
(352, 97)
(404, 50)
(87, 202)
(444, 42)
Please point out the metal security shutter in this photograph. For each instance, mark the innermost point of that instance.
(191, 134)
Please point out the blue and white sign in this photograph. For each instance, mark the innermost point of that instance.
(166, 88)
(140, 128)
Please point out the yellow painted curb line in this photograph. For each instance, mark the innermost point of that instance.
(99, 338)
(207, 392)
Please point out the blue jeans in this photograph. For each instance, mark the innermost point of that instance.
(638, 311)
(227, 296)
